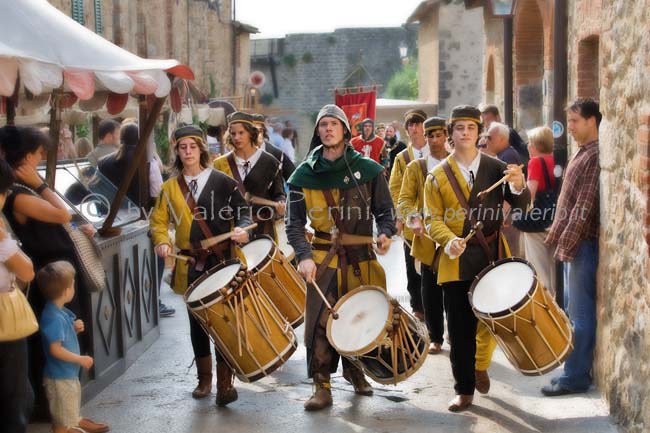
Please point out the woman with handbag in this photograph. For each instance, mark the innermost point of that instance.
(540, 147)
(17, 321)
(37, 216)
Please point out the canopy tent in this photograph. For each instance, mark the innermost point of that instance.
(42, 50)
(49, 49)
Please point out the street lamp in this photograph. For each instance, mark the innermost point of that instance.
(403, 53)
(503, 8)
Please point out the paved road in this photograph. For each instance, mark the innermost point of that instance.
(154, 395)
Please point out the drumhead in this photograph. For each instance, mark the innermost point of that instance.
(502, 287)
(256, 251)
(362, 318)
(214, 282)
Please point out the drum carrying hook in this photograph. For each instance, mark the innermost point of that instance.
(332, 311)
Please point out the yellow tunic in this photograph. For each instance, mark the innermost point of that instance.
(320, 220)
(395, 183)
(171, 207)
(411, 202)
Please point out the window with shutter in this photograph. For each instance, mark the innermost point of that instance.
(78, 11)
(99, 20)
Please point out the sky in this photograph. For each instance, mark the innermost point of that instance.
(276, 18)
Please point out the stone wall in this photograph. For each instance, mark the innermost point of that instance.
(461, 56)
(620, 28)
(493, 61)
(309, 66)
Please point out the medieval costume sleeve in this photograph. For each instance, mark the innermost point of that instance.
(445, 218)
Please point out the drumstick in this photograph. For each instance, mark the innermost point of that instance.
(334, 314)
(350, 239)
(486, 191)
(207, 243)
(181, 257)
(259, 200)
(478, 226)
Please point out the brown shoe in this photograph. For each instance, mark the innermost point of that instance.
(358, 381)
(435, 348)
(482, 384)
(321, 398)
(226, 392)
(91, 426)
(460, 403)
(204, 373)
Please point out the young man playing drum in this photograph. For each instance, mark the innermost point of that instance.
(452, 208)
(257, 173)
(341, 192)
(199, 202)
(410, 204)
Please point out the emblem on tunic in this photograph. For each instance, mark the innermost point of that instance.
(357, 175)
(346, 179)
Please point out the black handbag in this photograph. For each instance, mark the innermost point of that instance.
(540, 216)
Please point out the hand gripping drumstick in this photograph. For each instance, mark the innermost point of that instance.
(478, 226)
(188, 259)
(207, 243)
(333, 312)
(490, 189)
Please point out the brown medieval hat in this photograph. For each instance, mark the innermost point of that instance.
(258, 119)
(191, 131)
(414, 116)
(241, 117)
(434, 123)
(465, 112)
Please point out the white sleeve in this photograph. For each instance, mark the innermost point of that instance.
(8, 247)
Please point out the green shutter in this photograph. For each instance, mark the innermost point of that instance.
(78, 11)
(99, 21)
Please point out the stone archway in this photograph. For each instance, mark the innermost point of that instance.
(528, 65)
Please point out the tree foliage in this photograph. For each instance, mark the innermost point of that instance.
(404, 83)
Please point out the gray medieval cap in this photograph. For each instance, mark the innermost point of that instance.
(331, 110)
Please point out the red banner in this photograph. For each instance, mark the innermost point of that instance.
(357, 106)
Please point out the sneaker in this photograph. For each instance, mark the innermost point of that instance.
(165, 311)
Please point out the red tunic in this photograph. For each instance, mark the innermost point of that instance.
(370, 149)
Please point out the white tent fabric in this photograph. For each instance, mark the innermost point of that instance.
(47, 48)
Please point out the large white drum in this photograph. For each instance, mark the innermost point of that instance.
(522, 315)
(375, 333)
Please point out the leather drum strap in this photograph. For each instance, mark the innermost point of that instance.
(463, 202)
(207, 233)
(235, 173)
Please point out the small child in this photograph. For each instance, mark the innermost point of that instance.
(59, 331)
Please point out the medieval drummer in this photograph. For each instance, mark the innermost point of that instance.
(451, 207)
(199, 203)
(340, 191)
(257, 173)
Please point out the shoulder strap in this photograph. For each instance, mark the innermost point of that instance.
(192, 205)
(463, 202)
(547, 178)
(329, 199)
(423, 167)
(407, 155)
(235, 172)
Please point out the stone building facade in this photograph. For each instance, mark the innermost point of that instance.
(302, 70)
(198, 33)
(450, 59)
(608, 54)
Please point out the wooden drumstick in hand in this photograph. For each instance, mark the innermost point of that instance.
(188, 259)
(478, 226)
(333, 312)
(481, 194)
